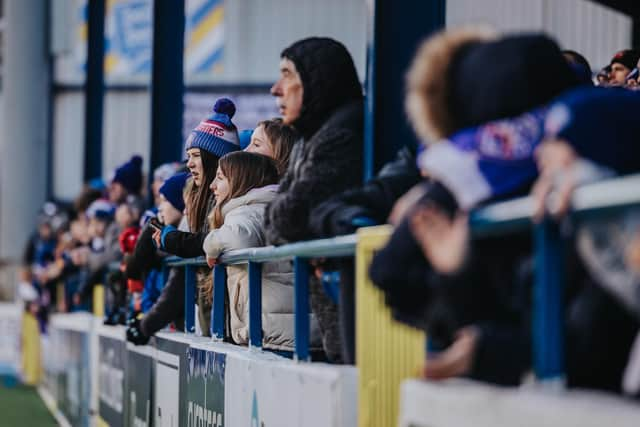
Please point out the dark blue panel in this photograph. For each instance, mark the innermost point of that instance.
(397, 31)
(219, 297)
(301, 307)
(167, 81)
(548, 325)
(189, 298)
(255, 304)
(94, 91)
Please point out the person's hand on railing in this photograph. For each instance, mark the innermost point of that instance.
(405, 203)
(456, 360)
(556, 182)
(211, 262)
(444, 242)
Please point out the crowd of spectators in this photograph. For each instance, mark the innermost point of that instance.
(496, 117)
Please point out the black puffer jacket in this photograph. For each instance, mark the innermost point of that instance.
(328, 160)
(374, 200)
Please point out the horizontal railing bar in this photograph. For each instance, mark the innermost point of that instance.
(588, 200)
(498, 217)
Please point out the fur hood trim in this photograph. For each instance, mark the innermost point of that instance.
(427, 91)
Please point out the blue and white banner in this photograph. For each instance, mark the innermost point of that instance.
(128, 36)
(204, 37)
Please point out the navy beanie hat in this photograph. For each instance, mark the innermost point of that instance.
(590, 117)
(130, 175)
(216, 134)
(172, 190)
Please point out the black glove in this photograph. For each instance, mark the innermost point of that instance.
(134, 333)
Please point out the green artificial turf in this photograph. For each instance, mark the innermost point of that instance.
(21, 406)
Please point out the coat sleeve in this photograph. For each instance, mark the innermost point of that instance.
(169, 306)
(111, 252)
(238, 232)
(145, 256)
(333, 165)
(374, 201)
(184, 244)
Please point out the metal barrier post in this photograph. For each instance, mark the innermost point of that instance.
(255, 304)
(217, 308)
(189, 298)
(301, 307)
(548, 324)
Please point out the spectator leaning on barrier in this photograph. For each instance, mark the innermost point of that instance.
(572, 153)
(244, 184)
(319, 94)
(161, 303)
(211, 139)
(462, 78)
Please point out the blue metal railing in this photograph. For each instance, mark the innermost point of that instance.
(301, 253)
(499, 218)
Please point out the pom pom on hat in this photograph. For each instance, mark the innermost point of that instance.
(225, 106)
(217, 134)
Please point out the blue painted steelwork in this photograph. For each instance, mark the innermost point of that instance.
(395, 30)
(219, 297)
(189, 298)
(94, 91)
(331, 285)
(167, 81)
(589, 201)
(255, 304)
(301, 308)
(548, 292)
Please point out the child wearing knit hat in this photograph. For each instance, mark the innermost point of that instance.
(172, 200)
(127, 180)
(216, 134)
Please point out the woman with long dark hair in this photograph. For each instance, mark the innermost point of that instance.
(211, 139)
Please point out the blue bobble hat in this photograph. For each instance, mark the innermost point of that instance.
(216, 134)
(172, 190)
(130, 175)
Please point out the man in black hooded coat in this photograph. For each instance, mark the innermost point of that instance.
(319, 94)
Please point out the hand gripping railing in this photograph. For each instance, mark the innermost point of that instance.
(499, 218)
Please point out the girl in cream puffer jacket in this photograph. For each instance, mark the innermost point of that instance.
(245, 183)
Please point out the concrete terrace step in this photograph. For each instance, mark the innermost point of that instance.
(466, 403)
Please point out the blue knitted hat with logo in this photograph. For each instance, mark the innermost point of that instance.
(216, 134)
(172, 190)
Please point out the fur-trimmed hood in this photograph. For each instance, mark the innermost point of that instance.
(466, 77)
(427, 90)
